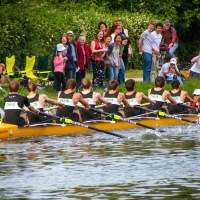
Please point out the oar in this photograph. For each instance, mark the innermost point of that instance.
(163, 114)
(118, 117)
(187, 106)
(69, 121)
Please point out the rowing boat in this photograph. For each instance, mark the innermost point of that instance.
(12, 131)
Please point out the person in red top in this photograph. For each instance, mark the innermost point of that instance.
(84, 51)
(170, 37)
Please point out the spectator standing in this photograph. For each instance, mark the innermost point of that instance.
(170, 37)
(157, 37)
(113, 31)
(59, 67)
(123, 32)
(98, 49)
(102, 26)
(145, 49)
(73, 57)
(84, 52)
(195, 69)
(113, 55)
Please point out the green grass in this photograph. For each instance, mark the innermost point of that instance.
(190, 85)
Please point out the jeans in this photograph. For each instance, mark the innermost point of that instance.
(121, 72)
(155, 67)
(173, 49)
(113, 72)
(147, 58)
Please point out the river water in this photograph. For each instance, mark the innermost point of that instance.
(148, 165)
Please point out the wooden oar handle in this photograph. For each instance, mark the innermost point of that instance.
(50, 108)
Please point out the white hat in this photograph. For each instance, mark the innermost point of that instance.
(196, 92)
(173, 61)
(60, 47)
(70, 33)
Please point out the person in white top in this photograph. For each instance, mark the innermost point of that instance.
(156, 40)
(165, 68)
(195, 69)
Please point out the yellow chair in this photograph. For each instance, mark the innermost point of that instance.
(10, 73)
(30, 72)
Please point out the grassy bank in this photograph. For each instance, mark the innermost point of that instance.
(190, 85)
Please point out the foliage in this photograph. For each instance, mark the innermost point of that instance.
(33, 27)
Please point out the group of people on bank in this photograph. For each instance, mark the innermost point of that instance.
(112, 100)
(106, 55)
(163, 39)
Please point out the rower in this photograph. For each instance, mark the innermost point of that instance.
(180, 96)
(70, 99)
(134, 99)
(38, 101)
(159, 95)
(91, 98)
(14, 104)
(115, 97)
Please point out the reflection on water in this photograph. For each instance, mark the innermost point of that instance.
(150, 165)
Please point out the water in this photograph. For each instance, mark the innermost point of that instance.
(150, 165)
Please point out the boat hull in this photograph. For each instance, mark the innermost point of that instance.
(12, 131)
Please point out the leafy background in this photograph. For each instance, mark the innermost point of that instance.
(33, 27)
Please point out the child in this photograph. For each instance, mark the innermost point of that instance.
(59, 63)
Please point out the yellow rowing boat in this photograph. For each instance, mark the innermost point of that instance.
(12, 131)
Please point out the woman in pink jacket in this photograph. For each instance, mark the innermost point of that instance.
(59, 65)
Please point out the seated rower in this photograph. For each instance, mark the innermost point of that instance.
(196, 98)
(134, 99)
(91, 98)
(14, 104)
(115, 97)
(180, 96)
(38, 100)
(159, 95)
(70, 99)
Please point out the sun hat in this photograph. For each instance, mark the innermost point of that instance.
(173, 61)
(196, 92)
(60, 47)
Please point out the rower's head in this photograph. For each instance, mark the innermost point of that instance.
(71, 84)
(113, 85)
(175, 84)
(159, 82)
(14, 86)
(86, 83)
(32, 86)
(130, 85)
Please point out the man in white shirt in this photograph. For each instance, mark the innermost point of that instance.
(165, 68)
(145, 49)
(157, 37)
(195, 69)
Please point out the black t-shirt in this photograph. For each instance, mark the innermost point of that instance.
(13, 106)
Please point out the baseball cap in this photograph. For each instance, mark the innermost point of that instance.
(173, 61)
(70, 33)
(196, 92)
(167, 22)
(60, 47)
